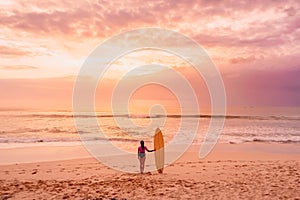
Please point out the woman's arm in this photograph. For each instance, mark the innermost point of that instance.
(149, 150)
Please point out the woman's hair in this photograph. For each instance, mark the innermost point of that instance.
(142, 144)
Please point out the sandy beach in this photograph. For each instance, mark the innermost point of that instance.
(231, 171)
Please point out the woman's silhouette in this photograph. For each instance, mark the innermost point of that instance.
(142, 155)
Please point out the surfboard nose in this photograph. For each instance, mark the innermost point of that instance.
(157, 130)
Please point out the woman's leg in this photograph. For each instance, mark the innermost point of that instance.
(140, 159)
(142, 164)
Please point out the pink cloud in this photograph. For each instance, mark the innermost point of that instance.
(242, 31)
(240, 59)
(105, 17)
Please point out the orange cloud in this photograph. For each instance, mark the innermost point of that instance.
(17, 67)
(7, 51)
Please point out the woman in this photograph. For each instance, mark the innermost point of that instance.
(142, 155)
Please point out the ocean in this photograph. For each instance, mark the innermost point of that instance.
(29, 128)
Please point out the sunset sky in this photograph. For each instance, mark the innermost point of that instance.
(254, 44)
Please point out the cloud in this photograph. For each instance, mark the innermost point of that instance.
(7, 51)
(98, 18)
(241, 59)
(17, 67)
(268, 27)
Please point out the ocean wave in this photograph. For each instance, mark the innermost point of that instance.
(145, 116)
(38, 130)
(35, 140)
(64, 139)
(24, 140)
(283, 141)
(263, 141)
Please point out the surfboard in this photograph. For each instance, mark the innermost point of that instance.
(160, 151)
